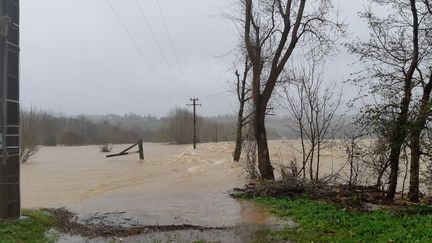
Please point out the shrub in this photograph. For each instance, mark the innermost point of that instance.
(106, 148)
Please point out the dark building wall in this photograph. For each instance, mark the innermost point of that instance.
(9, 113)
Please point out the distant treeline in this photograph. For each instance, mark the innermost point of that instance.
(176, 127)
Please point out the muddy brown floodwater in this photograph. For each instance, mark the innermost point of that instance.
(173, 185)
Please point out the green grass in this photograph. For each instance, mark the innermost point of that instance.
(325, 222)
(32, 229)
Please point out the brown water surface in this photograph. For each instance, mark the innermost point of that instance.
(174, 185)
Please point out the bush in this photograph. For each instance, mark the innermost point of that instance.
(106, 148)
(31, 122)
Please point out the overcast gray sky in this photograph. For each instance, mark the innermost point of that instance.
(76, 58)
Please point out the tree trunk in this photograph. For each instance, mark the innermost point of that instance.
(264, 164)
(303, 153)
(311, 162)
(351, 162)
(241, 95)
(400, 130)
(417, 128)
(381, 175)
(239, 136)
(413, 194)
(398, 138)
(318, 161)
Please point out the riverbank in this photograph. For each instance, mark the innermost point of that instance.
(63, 226)
(32, 228)
(327, 222)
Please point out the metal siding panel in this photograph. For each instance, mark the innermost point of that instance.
(13, 166)
(10, 201)
(12, 113)
(10, 171)
(13, 88)
(3, 7)
(13, 11)
(13, 202)
(12, 141)
(12, 60)
(12, 130)
(3, 201)
(9, 115)
(13, 34)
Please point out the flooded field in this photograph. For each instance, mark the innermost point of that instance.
(173, 185)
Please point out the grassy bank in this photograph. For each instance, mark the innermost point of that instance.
(31, 229)
(325, 222)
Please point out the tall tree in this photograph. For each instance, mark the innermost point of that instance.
(395, 57)
(400, 128)
(272, 31)
(423, 112)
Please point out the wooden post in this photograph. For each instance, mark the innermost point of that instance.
(141, 149)
(125, 152)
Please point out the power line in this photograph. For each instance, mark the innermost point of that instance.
(217, 94)
(160, 48)
(139, 49)
(172, 45)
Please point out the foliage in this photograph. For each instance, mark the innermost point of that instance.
(325, 222)
(106, 148)
(31, 229)
(30, 125)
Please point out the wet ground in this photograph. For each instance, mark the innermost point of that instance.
(174, 185)
(239, 234)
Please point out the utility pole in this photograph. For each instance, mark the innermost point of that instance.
(194, 104)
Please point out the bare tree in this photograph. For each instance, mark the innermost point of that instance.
(181, 125)
(272, 31)
(312, 107)
(243, 97)
(30, 126)
(354, 144)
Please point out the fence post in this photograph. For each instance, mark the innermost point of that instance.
(141, 149)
